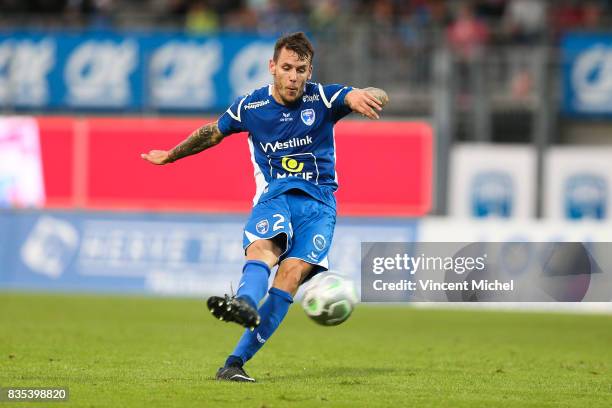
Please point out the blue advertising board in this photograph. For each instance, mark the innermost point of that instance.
(492, 194)
(117, 72)
(587, 74)
(167, 254)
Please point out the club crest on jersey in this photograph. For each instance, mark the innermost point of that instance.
(308, 116)
(262, 226)
(319, 242)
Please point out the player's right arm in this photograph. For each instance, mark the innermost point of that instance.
(209, 135)
(201, 139)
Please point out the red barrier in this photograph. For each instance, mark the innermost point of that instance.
(384, 168)
(57, 148)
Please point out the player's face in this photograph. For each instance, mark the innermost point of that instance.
(290, 75)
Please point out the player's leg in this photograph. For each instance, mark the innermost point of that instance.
(314, 225)
(261, 256)
(267, 235)
(241, 308)
(291, 273)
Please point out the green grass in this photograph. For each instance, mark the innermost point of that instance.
(133, 351)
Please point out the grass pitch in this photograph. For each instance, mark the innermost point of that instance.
(161, 352)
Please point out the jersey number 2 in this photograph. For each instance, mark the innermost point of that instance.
(277, 224)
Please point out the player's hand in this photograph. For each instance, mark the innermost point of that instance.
(364, 102)
(157, 157)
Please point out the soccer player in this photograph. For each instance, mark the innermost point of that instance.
(291, 139)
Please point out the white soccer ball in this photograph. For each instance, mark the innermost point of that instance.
(329, 298)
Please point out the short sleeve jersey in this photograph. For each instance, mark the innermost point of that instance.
(292, 146)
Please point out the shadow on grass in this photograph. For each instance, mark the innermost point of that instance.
(341, 375)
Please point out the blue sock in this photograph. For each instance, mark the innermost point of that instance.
(272, 313)
(254, 282)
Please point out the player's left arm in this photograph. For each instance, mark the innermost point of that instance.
(368, 101)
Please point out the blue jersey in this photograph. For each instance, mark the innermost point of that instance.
(292, 146)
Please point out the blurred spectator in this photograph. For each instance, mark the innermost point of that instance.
(171, 12)
(176, 8)
(12, 6)
(324, 14)
(525, 21)
(592, 14)
(284, 16)
(382, 12)
(571, 15)
(256, 5)
(224, 7)
(96, 14)
(567, 15)
(201, 18)
(477, 21)
(420, 20)
(46, 6)
(491, 11)
(243, 19)
(467, 35)
(524, 26)
(385, 41)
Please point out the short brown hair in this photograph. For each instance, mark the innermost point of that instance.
(296, 42)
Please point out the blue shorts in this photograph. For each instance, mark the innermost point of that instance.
(306, 223)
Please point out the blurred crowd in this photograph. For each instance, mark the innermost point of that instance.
(466, 23)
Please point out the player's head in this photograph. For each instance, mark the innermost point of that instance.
(291, 66)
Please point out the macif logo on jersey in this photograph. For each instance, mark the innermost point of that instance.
(308, 116)
(302, 165)
(292, 165)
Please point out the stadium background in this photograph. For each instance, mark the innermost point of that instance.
(499, 129)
